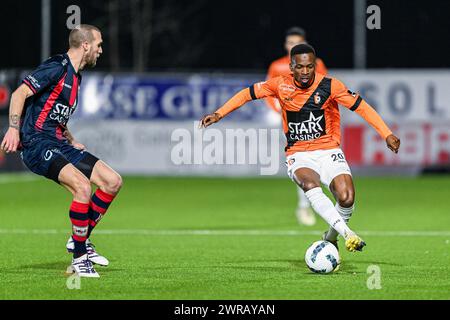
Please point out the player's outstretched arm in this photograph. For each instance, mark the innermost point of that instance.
(255, 91)
(373, 118)
(232, 104)
(11, 140)
(355, 103)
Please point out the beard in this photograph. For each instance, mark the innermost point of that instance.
(91, 60)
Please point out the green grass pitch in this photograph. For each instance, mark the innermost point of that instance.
(218, 238)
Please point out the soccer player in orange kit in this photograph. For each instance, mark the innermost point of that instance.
(280, 67)
(311, 122)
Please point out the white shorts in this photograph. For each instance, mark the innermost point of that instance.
(327, 163)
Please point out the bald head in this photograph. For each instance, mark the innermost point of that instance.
(80, 34)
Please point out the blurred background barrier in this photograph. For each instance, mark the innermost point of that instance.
(146, 124)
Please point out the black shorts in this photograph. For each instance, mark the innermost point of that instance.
(47, 157)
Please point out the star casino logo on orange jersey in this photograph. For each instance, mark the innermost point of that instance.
(305, 125)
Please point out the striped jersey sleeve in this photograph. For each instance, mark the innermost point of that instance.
(48, 73)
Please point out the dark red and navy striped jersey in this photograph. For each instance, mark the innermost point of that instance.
(55, 86)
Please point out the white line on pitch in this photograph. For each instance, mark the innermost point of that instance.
(174, 232)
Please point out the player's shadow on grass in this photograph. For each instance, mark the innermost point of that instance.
(297, 266)
(267, 265)
(61, 265)
(381, 263)
(347, 266)
(360, 266)
(57, 265)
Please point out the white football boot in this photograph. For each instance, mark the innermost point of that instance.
(83, 267)
(92, 254)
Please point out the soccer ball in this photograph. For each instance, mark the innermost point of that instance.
(322, 257)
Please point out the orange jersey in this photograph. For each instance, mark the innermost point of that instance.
(311, 119)
(280, 67)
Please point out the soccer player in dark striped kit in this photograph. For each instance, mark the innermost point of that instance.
(49, 96)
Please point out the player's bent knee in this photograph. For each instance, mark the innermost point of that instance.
(308, 185)
(115, 183)
(112, 183)
(306, 179)
(346, 198)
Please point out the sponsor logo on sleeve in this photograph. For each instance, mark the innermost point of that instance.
(352, 93)
(33, 81)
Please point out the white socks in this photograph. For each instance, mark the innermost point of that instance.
(303, 201)
(345, 213)
(324, 207)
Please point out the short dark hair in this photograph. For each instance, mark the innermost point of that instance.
(81, 33)
(302, 48)
(296, 31)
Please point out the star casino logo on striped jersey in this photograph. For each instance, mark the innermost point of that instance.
(305, 125)
(61, 113)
